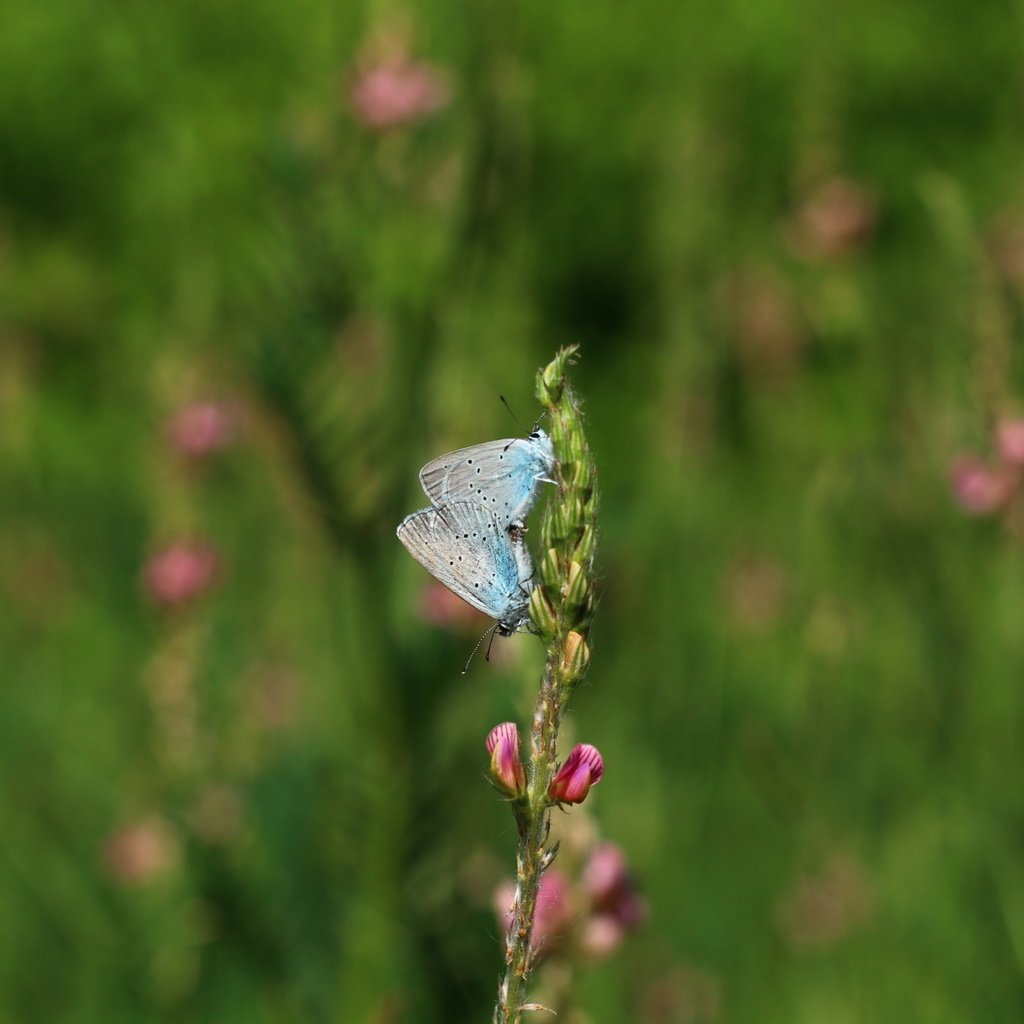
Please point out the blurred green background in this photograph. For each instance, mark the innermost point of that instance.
(259, 262)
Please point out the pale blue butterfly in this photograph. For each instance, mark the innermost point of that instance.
(503, 476)
(467, 548)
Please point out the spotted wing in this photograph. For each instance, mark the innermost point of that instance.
(503, 476)
(465, 547)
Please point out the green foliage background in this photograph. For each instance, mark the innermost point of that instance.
(804, 649)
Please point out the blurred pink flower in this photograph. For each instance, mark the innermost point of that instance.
(1010, 441)
(554, 907)
(396, 90)
(765, 321)
(979, 489)
(554, 912)
(601, 935)
(616, 906)
(438, 606)
(583, 768)
(608, 881)
(835, 219)
(142, 851)
(201, 429)
(506, 765)
(822, 909)
(180, 572)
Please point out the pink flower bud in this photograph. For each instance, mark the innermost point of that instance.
(506, 766)
(180, 572)
(583, 768)
(1010, 441)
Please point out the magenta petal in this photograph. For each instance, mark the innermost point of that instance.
(582, 769)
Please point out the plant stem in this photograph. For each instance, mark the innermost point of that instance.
(561, 608)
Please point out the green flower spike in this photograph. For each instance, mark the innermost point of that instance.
(561, 607)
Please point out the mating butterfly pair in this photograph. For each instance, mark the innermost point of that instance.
(471, 538)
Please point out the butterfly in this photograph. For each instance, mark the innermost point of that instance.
(503, 476)
(467, 548)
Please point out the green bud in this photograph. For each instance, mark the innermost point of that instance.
(577, 587)
(548, 523)
(584, 550)
(552, 381)
(573, 514)
(559, 437)
(581, 475)
(576, 449)
(550, 571)
(561, 525)
(542, 613)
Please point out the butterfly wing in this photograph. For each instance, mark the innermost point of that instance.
(503, 475)
(465, 547)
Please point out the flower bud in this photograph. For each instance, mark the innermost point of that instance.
(577, 587)
(582, 475)
(576, 656)
(583, 768)
(550, 572)
(552, 380)
(506, 766)
(541, 612)
(561, 522)
(584, 550)
(573, 514)
(577, 447)
(549, 523)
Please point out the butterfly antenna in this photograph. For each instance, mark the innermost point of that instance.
(504, 402)
(487, 656)
(477, 648)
